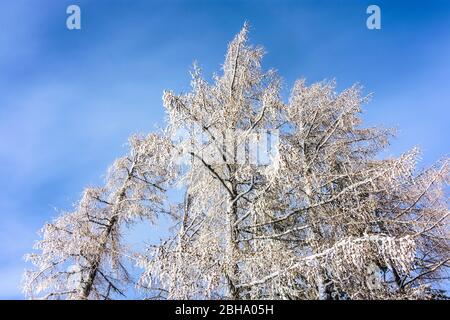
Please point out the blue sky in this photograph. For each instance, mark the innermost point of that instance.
(70, 99)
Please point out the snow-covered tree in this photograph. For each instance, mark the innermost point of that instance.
(82, 251)
(325, 218)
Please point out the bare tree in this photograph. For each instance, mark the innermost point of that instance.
(82, 251)
(325, 218)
